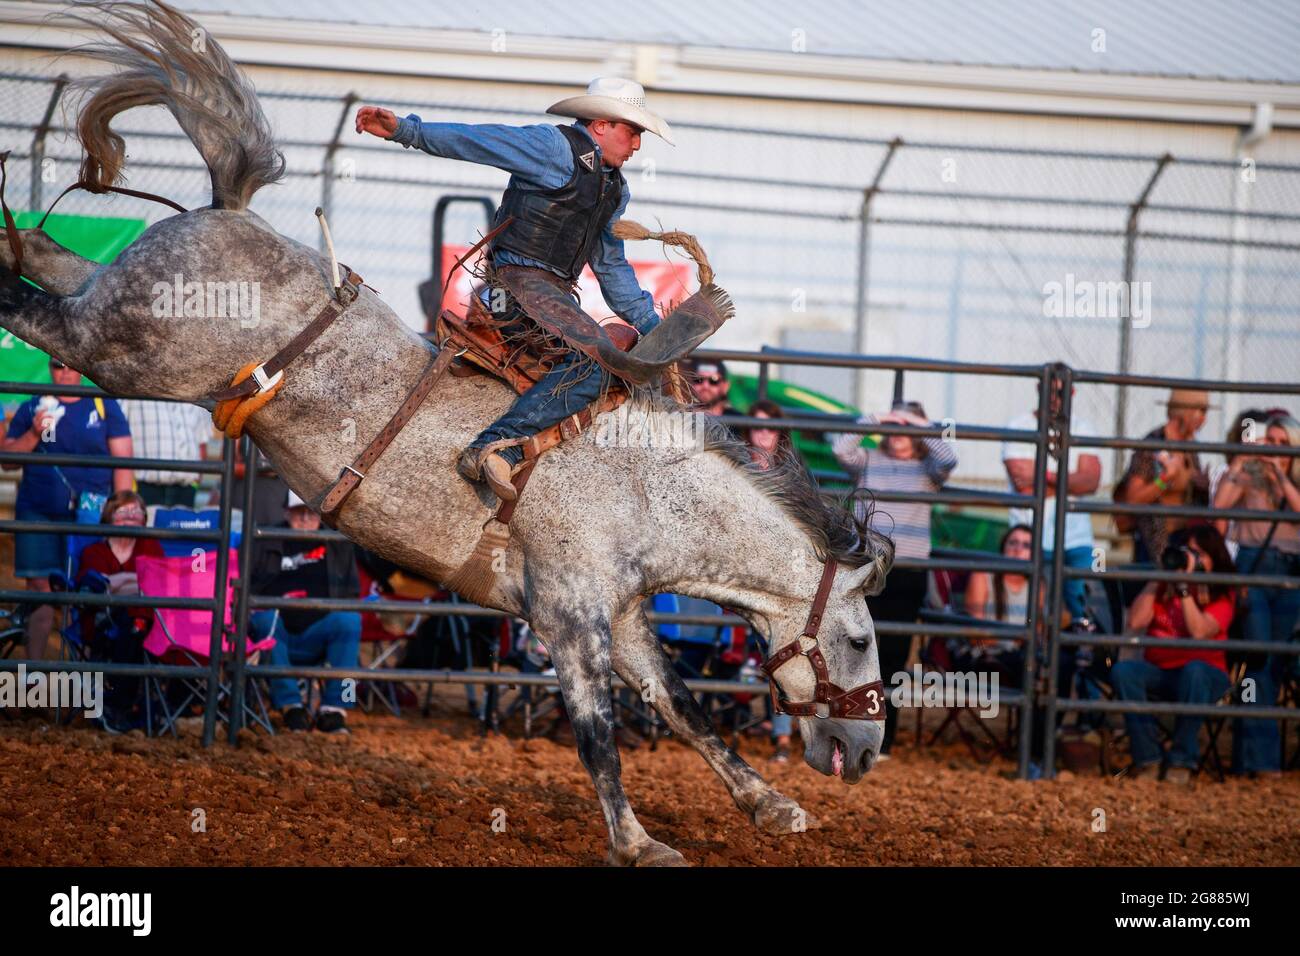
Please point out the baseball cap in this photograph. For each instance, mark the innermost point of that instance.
(702, 368)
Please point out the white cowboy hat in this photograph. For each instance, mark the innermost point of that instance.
(614, 98)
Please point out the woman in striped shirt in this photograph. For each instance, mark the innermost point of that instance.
(901, 464)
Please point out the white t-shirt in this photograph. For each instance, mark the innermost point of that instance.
(1078, 527)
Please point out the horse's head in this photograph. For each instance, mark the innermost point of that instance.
(832, 681)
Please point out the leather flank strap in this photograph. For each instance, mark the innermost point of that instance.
(351, 476)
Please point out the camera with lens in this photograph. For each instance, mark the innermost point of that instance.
(1175, 559)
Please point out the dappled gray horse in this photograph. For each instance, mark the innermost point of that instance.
(607, 519)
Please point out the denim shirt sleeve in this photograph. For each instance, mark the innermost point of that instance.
(539, 154)
(618, 282)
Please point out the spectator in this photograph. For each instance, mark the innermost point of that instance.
(172, 431)
(114, 556)
(767, 446)
(1166, 477)
(118, 634)
(710, 383)
(1002, 596)
(1083, 480)
(269, 489)
(286, 568)
(1195, 676)
(63, 424)
(1238, 434)
(1265, 483)
(909, 465)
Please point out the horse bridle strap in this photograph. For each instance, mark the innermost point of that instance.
(866, 702)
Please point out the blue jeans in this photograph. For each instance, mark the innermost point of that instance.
(37, 555)
(1257, 744)
(335, 639)
(1194, 683)
(1073, 596)
(543, 406)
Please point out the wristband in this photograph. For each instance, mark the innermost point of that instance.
(1160, 483)
(1182, 590)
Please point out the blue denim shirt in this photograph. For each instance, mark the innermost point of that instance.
(538, 157)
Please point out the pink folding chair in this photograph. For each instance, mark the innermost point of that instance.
(182, 636)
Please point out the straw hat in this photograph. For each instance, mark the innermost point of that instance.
(1189, 398)
(614, 98)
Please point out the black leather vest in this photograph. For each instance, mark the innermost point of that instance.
(560, 226)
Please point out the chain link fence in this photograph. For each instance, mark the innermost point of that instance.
(827, 241)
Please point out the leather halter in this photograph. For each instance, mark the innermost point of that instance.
(866, 702)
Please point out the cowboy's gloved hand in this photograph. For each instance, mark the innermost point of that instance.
(377, 121)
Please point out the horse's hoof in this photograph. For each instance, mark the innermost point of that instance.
(778, 815)
(654, 853)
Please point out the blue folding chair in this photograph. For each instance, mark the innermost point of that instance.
(206, 519)
(72, 645)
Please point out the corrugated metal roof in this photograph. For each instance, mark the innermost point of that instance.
(1258, 41)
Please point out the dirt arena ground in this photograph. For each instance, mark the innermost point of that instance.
(426, 791)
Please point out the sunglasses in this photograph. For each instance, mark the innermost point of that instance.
(56, 365)
(712, 380)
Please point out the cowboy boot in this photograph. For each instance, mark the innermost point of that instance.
(492, 468)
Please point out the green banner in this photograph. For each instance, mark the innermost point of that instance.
(97, 238)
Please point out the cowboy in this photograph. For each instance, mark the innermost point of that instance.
(564, 194)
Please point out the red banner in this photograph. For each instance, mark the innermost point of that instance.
(668, 282)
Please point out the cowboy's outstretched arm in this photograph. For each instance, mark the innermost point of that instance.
(538, 153)
(618, 282)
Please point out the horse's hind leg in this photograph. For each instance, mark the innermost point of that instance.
(60, 271)
(579, 648)
(640, 661)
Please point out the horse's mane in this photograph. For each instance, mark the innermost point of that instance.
(839, 528)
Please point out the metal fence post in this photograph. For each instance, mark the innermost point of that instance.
(38, 143)
(327, 166)
(1036, 573)
(864, 263)
(1060, 418)
(247, 530)
(1126, 320)
(219, 597)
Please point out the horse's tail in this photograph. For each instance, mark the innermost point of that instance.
(166, 59)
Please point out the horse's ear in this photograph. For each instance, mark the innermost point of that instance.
(870, 578)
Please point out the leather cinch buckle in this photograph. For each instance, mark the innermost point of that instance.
(570, 427)
(265, 381)
(347, 293)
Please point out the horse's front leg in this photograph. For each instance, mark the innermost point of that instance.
(640, 660)
(579, 645)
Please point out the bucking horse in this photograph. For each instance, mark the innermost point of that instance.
(603, 523)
